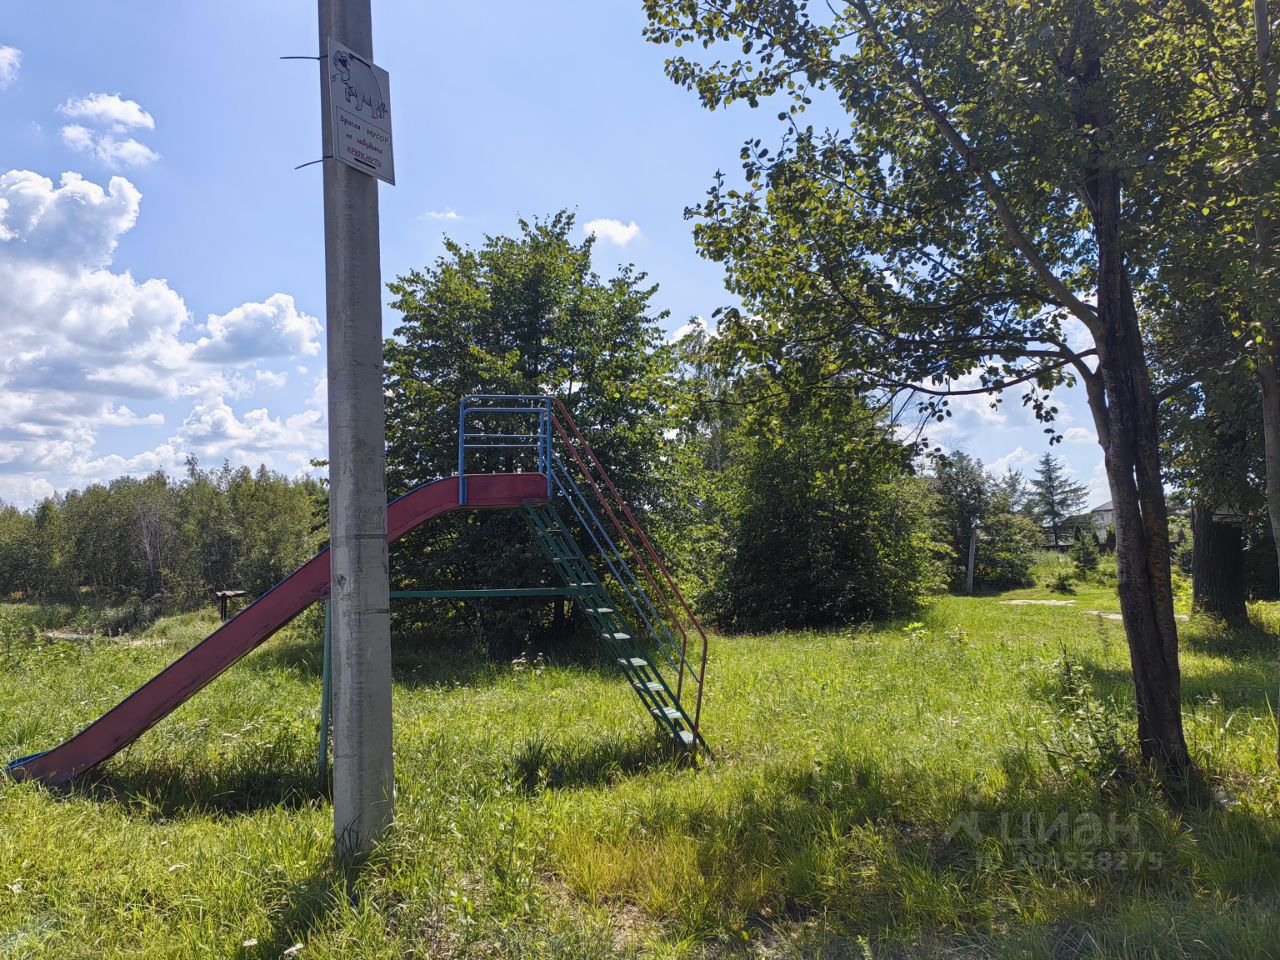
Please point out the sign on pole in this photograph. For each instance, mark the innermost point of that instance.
(360, 112)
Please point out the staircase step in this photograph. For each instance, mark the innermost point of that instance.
(671, 713)
(685, 736)
(633, 662)
(600, 610)
(653, 686)
(616, 636)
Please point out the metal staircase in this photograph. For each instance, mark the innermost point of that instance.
(598, 548)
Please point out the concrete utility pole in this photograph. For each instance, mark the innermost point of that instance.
(363, 781)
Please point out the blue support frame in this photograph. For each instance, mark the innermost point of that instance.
(538, 443)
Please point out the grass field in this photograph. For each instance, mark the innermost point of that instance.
(958, 786)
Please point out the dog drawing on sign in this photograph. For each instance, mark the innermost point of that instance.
(361, 83)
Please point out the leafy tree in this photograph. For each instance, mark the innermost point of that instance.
(981, 215)
(524, 314)
(823, 523)
(1055, 497)
(963, 493)
(968, 498)
(1007, 544)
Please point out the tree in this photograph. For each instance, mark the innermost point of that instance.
(977, 226)
(968, 498)
(963, 493)
(524, 314)
(823, 521)
(1055, 497)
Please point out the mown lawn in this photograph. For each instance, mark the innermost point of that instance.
(911, 790)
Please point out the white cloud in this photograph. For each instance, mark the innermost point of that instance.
(109, 110)
(448, 213)
(122, 416)
(682, 331)
(1079, 435)
(213, 428)
(272, 328)
(86, 348)
(76, 224)
(110, 115)
(10, 64)
(614, 231)
(1013, 460)
(107, 149)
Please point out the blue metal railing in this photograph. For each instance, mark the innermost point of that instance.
(538, 443)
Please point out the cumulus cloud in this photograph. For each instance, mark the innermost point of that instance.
(10, 64)
(109, 110)
(88, 348)
(273, 328)
(108, 116)
(1013, 460)
(76, 224)
(448, 213)
(214, 428)
(614, 231)
(107, 149)
(1079, 435)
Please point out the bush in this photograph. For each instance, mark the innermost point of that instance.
(823, 522)
(1007, 546)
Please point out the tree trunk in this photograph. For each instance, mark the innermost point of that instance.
(1124, 409)
(1269, 382)
(1217, 567)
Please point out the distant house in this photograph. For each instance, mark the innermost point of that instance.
(1103, 516)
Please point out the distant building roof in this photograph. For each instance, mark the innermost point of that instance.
(1105, 508)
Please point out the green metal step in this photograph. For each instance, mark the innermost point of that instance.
(633, 662)
(686, 737)
(671, 713)
(600, 610)
(616, 636)
(653, 686)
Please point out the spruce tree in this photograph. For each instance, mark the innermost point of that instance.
(1055, 498)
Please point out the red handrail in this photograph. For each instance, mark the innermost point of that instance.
(649, 549)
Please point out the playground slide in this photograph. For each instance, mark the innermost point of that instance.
(163, 693)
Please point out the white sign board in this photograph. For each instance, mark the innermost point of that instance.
(360, 111)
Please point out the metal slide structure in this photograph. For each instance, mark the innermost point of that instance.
(591, 536)
(600, 551)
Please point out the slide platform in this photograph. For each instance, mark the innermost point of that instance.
(170, 688)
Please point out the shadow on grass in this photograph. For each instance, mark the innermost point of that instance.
(164, 789)
(539, 763)
(308, 902)
(893, 850)
(440, 661)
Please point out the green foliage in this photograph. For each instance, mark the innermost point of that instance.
(523, 314)
(157, 543)
(965, 496)
(1006, 548)
(823, 523)
(1084, 553)
(1055, 499)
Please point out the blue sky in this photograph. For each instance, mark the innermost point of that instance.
(161, 262)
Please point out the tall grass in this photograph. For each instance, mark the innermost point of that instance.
(958, 786)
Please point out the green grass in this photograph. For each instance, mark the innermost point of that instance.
(868, 798)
